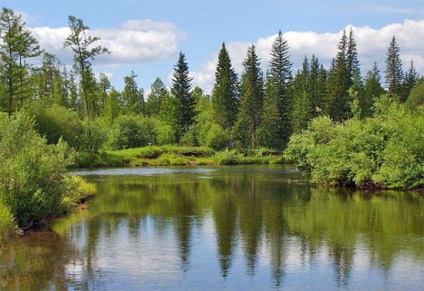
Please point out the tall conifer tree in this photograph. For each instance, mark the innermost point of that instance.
(225, 93)
(185, 103)
(393, 73)
(251, 98)
(276, 125)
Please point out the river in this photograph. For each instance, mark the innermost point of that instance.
(223, 228)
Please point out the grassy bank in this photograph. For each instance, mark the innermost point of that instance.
(177, 156)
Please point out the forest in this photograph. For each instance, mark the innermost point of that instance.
(336, 124)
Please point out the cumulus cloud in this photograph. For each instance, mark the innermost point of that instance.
(136, 41)
(372, 45)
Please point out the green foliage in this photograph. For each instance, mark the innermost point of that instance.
(55, 122)
(33, 181)
(131, 131)
(6, 217)
(385, 151)
(225, 92)
(393, 72)
(416, 97)
(251, 97)
(185, 102)
(213, 136)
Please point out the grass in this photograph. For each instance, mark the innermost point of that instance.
(177, 156)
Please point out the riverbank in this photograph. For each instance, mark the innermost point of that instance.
(177, 156)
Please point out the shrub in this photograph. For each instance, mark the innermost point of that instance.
(55, 122)
(386, 150)
(33, 179)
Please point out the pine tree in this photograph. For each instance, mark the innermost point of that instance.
(184, 102)
(340, 81)
(352, 56)
(225, 93)
(373, 90)
(411, 77)
(251, 98)
(276, 124)
(393, 72)
(301, 112)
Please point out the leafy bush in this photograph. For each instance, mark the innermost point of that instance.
(131, 131)
(228, 157)
(386, 151)
(55, 122)
(33, 179)
(212, 135)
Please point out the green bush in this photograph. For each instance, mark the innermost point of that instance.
(212, 135)
(55, 122)
(386, 150)
(228, 157)
(131, 131)
(33, 179)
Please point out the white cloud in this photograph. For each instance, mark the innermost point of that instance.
(372, 45)
(136, 41)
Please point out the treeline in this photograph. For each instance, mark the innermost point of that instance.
(256, 109)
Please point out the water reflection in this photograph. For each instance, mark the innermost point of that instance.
(238, 228)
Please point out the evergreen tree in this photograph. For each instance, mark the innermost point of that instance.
(225, 93)
(251, 98)
(156, 98)
(340, 81)
(185, 103)
(394, 73)
(132, 97)
(411, 77)
(301, 112)
(373, 90)
(352, 56)
(276, 124)
(16, 45)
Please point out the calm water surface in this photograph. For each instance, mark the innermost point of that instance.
(214, 228)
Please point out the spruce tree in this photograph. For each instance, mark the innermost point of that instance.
(185, 103)
(276, 124)
(225, 93)
(373, 90)
(251, 98)
(340, 82)
(393, 73)
(301, 112)
(409, 81)
(352, 56)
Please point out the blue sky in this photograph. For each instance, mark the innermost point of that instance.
(146, 36)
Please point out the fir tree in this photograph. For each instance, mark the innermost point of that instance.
(251, 98)
(411, 77)
(276, 125)
(393, 72)
(301, 112)
(225, 93)
(340, 82)
(185, 103)
(373, 90)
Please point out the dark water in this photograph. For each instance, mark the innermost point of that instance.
(214, 228)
